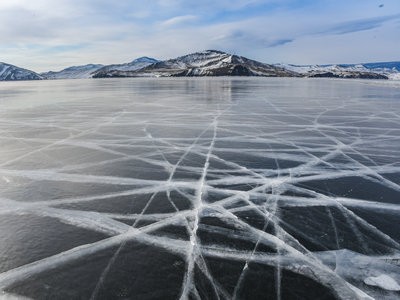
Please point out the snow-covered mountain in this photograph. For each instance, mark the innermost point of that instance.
(390, 70)
(90, 70)
(134, 65)
(74, 72)
(206, 63)
(9, 72)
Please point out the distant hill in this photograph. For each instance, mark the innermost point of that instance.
(134, 65)
(10, 73)
(90, 70)
(74, 72)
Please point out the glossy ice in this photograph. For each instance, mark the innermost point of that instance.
(200, 188)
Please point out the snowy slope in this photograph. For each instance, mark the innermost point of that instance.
(9, 72)
(370, 70)
(74, 72)
(205, 63)
(134, 65)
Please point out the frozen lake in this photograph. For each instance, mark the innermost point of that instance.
(200, 189)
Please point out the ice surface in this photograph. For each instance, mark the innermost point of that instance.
(200, 189)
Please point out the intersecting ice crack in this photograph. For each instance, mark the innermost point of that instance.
(278, 175)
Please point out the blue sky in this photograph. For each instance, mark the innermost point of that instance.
(52, 34)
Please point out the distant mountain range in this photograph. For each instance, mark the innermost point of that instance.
(384, 70)
(207, 63)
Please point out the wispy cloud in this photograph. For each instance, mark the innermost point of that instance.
(360, 25)
(280, 42)
(241, 37)
(179, 20)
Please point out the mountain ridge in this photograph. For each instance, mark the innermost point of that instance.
(379, 70)
(74, 72)
(207, 63)
(134, 65)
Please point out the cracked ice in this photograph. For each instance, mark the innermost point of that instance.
(200, 189)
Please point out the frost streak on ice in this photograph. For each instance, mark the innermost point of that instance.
(383, 281)
(295, 176)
